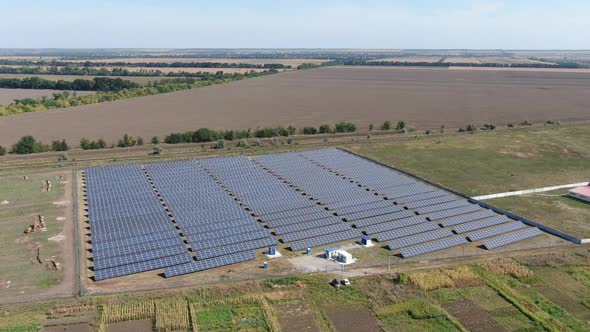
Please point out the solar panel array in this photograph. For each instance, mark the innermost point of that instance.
(507, 239)
(130, 230)
(189, 216)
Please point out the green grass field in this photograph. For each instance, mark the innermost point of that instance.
(551, 209)
(492, 162)
(20, 273)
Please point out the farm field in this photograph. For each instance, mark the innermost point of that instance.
(286, 62)
(551, 209)
(496, 295)
(425, 98)
(8, 96)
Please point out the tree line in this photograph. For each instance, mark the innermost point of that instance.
(87, 71)
(89, 64)
(95, 84)
(62, 100)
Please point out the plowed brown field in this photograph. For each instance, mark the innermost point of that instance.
(424, 98)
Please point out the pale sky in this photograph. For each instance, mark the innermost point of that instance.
(406, 24)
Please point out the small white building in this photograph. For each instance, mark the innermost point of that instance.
(344, 257)
(581, 193)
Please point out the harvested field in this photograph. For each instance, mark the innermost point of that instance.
(8, 96)
(522, 69)
(473, 317)
(167, 70)
(425, 98)
(295, 316)
(410, 59)
(352, 319)
(461, 60)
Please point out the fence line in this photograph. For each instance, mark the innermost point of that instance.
(530, 191)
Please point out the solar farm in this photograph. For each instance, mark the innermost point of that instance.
(191, 216)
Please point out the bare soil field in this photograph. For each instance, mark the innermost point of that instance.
(473, 317)
(167, 70)
(522, 69)
(425, 98)
(296, 317)
(8, 96)
(352, 319)
(410, 59)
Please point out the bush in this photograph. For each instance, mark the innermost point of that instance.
(59, 145)
(510, 125)
(86, 144)
(28, 144)
(127, 141)
(140, 140)
(400, 125)
(345, 127)
(489, 126)
(386, 125)
(2, 150)
(325, 129)
(371, 127)
(526, 123)
(309, 130)
(155, 140)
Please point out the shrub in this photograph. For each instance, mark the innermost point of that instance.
(127, 141)
(386, 125)
(2, 150)
(325, 129)
(28, 144)
(59, 145)
(219, 145)
(309, 130)
(371, 127)
(428, 132)
(140, 140)
(86, 144)
(345, 127)
(489, 126)
(471, 128)
(155, 140)
(526, 123)
(400, 125)
(243, 144)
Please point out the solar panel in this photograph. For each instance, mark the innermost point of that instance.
(144, 266)
(210, 263)
(325, 239)
(236, 247)
(419, 238)
(482, 223)
(453, 212)
(432, 246)
(463, 218)
(496, 230)
(307, 225)
(395, 224)
(443, 206)
(507, 239)
(313, 232)
(383, 218)
(214, 241)
(406, 231)
(136, 257)
(431, 201)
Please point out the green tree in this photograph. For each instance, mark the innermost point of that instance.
(400, 125)
(2, 150)
(59, 145)
(371, 127)
(155, 140)
(28, 144)
(325, 129)
(386, 125)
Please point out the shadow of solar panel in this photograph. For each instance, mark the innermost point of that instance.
(479, 224)
(136, 257)
(433, 246)
(325, 239)
(395, 224)
(507, 239)
(453, 212)
(431, 201)
(463, 218)
(443, 206)
(146, 246)
(145, 266)
(210, 263)
(215, 241)
(314, 232)
(406, 231)
(419, 238)
(236, 247)
(496, 230)
(307, 225)
(384, 218)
